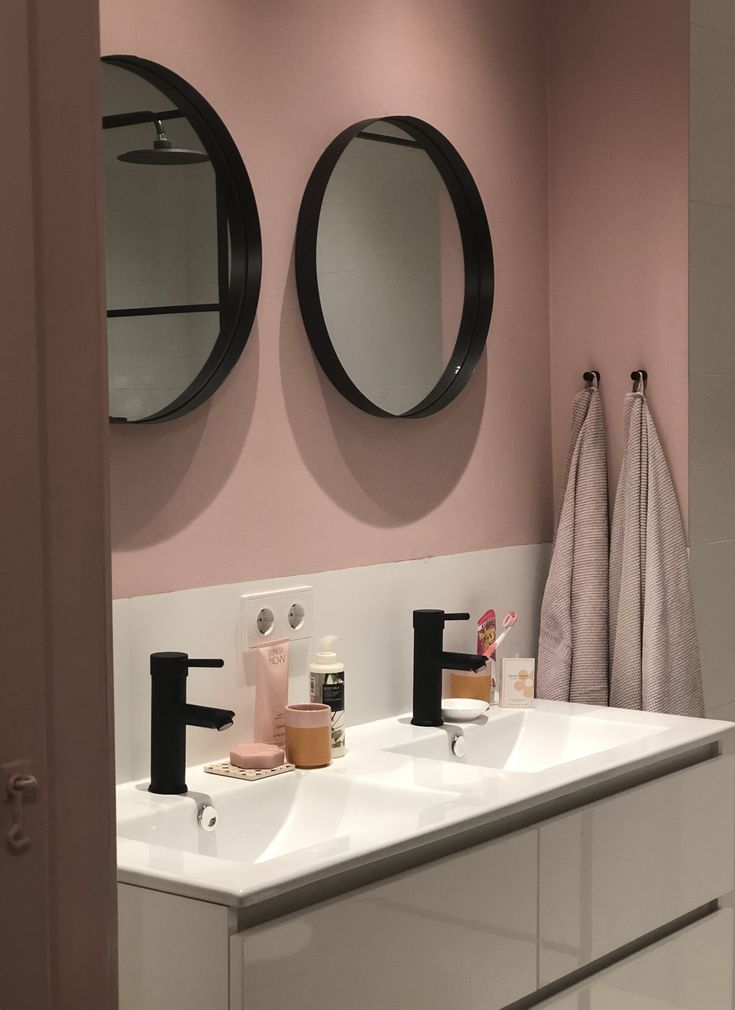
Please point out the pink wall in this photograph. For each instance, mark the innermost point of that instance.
(618, 192)
(278, 474)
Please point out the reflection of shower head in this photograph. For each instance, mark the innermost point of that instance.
(163, 152)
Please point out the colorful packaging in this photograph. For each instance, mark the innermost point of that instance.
(517, 683)
(327, 686)
(486, 632)
(271, 694)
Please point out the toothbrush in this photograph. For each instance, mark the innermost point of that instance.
(508, 621)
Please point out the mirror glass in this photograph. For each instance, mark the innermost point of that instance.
(394, 267)
(390, 267)
(169, 286)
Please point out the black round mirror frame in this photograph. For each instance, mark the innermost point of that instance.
(237, 199)
(479, 276)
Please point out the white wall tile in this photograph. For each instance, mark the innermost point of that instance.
(370, 608)
(712, 458)
(713, 576)
(716, 14)
(711, 288)
(712, 101)
(724, 712)
(123, 694)
(712, 347)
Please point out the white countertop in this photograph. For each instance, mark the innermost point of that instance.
(381, 799)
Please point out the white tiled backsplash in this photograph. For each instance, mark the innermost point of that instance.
(711, 347)
(369, 608)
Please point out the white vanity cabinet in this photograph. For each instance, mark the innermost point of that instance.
(691, 970)
(458, 932)
(173, 951)
(612, 903)
(614, 870)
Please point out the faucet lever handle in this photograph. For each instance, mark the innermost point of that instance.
(205, 662)
(456, 617)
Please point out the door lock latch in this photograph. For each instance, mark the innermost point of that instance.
(20, 784)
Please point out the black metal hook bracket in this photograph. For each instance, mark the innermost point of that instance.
(639, 375)
(591, 376)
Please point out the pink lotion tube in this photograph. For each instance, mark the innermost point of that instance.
(271, 694)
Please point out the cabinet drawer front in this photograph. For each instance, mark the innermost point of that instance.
(621, 867)
(691, 970)
(458, 932)
(172, 951)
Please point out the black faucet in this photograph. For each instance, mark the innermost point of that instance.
(429, 659)
(170, 715)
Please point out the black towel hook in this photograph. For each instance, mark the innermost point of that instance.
(591, 376)
(640, 375)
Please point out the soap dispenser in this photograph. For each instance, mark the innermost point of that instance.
(328, 688)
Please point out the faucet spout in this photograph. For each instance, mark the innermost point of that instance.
(208, 718)
(462, 661)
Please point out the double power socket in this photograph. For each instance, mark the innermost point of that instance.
(282, 614)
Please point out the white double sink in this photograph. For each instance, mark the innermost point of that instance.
(399, 786)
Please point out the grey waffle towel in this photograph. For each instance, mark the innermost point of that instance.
(654, 659)
(573, 640)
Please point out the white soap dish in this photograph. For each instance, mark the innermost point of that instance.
(463, 709)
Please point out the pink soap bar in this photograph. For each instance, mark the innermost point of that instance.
(257, 755)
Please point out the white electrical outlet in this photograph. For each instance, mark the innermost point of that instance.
(258, 619)
(276, 615)
(298, 602)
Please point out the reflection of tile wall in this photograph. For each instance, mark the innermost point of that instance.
(380, 271)
(712, 346)
(162, 249)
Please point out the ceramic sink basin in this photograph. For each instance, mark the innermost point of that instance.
(398, 788)
(527, 740)
(263, 821)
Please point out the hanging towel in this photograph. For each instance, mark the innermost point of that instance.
(654, 659)
(573, 640)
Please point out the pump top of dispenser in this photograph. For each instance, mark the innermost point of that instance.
(326, 659)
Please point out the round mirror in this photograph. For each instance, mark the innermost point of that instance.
(183, 243)
(394, 267)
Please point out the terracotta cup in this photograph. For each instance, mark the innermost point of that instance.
(470, 684)
(309, 735)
